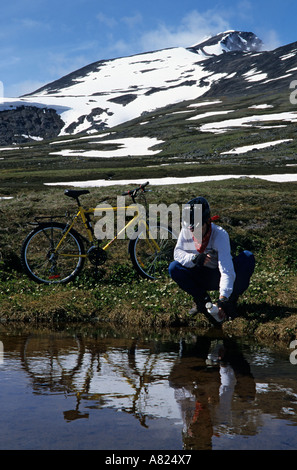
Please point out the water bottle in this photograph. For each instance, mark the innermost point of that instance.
(215, 352)
(213, 310)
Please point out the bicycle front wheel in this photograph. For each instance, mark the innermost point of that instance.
(44, 263)
(152, 256)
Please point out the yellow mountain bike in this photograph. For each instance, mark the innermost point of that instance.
(54, 252)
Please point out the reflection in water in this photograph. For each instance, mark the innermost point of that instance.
(128, 375)
(187, 390)
(206, 378)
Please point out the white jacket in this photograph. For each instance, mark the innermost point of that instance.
(218, 249)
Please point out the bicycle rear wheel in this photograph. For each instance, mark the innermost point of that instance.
(43, 263)
(151, 258)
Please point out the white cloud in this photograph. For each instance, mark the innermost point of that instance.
(270, 40)
(59, 64)
(22, 88)
(193, 28)
(120, 48)
(243, 10)
(31, 24)
(108, 21)
(111, 22)
(132, 21)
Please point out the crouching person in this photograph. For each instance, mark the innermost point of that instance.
(208, 266)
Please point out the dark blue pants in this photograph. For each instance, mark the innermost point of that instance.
(198, 280)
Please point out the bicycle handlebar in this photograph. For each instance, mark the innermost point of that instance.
(133, 192)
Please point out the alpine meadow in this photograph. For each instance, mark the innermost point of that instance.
(216, 119)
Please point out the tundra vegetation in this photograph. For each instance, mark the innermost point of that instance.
(259, 216)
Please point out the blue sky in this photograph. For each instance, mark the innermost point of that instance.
(42, 40)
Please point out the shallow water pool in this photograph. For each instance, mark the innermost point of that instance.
(90, 387)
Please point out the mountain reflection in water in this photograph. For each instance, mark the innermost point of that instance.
(183, 389)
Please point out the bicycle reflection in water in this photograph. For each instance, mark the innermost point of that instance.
(110, 372)
(205, 382)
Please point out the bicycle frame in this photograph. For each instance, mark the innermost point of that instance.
(85, 217)
(55, 251)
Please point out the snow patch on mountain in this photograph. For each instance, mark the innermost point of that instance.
(122, 89)
(276, 178)
(127, 147)
(225, 125)
(109, 92)
(254, 75)
(248, 148)
(209, 114)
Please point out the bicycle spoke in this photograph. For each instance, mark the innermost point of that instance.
(151, 258)
(46, 264)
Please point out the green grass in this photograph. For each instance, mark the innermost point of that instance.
(259, 216)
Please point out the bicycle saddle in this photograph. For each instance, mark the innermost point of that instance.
(75, 193)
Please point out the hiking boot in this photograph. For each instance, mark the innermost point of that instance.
(194, 310)
(199, 305)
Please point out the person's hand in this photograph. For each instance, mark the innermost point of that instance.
(223, 307)
(221, 314)
(201, 259)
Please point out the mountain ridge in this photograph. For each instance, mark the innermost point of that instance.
(110, 92)
(221, 40)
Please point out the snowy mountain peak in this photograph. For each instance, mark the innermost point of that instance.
(229, 41)
(107, 93)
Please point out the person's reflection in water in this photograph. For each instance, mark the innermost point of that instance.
(205, 378)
